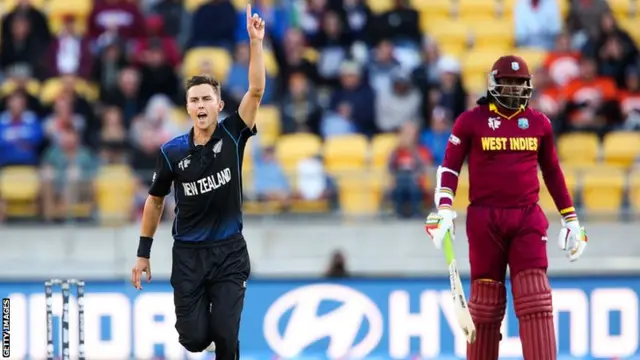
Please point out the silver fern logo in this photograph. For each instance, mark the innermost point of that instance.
(184, 163)
(217, 148)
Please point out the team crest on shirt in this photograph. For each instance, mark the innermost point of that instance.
(184, 163)
(217, 148)
(523, 123)
(494, 123)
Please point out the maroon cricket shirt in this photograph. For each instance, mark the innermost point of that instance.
(503, 153)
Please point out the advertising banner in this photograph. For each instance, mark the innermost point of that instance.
(596, 318)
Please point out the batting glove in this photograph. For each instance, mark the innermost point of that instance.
(437, 225)
(572, 239)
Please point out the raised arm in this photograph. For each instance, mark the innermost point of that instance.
(257, 72)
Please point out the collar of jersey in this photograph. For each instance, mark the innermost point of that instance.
(494, 108)
(213, 137)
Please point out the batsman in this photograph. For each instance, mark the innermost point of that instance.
(504, 142)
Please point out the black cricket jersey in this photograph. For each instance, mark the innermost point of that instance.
(207, 181)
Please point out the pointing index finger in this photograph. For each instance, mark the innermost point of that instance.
(248, 13)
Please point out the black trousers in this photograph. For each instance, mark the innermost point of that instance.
(209, 283)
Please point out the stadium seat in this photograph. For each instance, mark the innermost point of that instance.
(469, 8)
(50, 90)
(360, 195)
(447, 31)
(292, 148)
(508, 6)
(310, 54)
(252, 207)
(309, 206)
(478, 62)
(476, 83)
(489, 33)
(56, 22)
(8, 86)
(546, 201)
(270, 63)
(578, 148)
(220, 58)
(456, 50)
(20, 189)
(631, 26)
(115, 187)
(8, 5)
(534, 57)
(435, 8)
(304, 206)
(193, 5)
(380, 6)
(91, 91)
(78, 8)
(564, 8)
(344, 155)
(381, 147)
(461, 200)
(248, 158)
(634, 191)
(52, 87)
(268, 123)
(238, 4)
(621, 148)
(621, 8)
(179, 116)
(472, 19)
(248, 189)
(603, 189)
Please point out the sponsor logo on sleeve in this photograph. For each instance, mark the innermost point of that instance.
(454, 140)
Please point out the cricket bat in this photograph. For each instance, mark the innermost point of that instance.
(459, 299)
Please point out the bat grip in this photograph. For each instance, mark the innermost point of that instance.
(447, 247)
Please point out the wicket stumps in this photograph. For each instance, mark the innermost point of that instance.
(65, 286)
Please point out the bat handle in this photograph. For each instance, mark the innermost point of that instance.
(447, 248)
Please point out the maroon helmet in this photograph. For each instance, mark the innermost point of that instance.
(510, 82)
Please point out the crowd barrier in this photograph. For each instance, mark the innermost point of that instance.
(596, 318)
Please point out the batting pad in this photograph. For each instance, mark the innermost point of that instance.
(534, 309)
(487, 306)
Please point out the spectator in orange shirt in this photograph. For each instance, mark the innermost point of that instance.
(546, 96)
(630, 100)
(591, 100)
(562, 63)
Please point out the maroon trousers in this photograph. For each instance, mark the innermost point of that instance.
(514, 237)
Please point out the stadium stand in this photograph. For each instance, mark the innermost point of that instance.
(461, 38)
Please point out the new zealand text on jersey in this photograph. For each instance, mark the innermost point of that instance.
(207, 184)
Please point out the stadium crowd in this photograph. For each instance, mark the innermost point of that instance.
(91, 90)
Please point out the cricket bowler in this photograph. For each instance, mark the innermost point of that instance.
(504, 141)
(210, 261)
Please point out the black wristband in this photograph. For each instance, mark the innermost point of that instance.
(144, 247)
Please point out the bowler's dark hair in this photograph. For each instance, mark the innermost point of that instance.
(204, 80)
